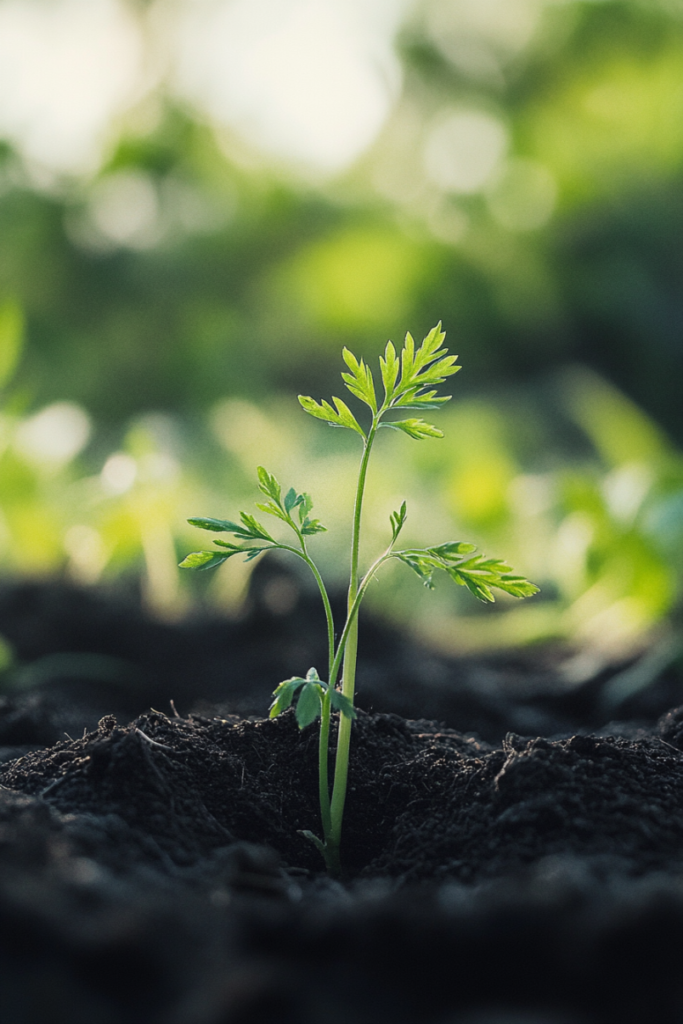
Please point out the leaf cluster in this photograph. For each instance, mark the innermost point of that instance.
(408, 381)
(309, 693)
(478, 573)
(293, 509)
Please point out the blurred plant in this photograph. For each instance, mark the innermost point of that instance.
(527, 181)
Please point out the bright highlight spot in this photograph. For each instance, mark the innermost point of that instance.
(522, 197)
(87, 553)
(124, 208)
(54, 436)
(118, 473)
(66, 68)
(309, 81)
(463, 150)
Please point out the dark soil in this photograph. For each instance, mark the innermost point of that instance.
(152, 870)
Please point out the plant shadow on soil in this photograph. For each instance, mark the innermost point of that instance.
(511, 856)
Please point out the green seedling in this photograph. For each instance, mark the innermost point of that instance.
(409, 383)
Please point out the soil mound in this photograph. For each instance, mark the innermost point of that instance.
(152, 871)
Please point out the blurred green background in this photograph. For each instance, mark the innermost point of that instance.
(201, 201)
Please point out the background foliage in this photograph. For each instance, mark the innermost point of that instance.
(163, 304)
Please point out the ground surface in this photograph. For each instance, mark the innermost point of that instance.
(151, 869)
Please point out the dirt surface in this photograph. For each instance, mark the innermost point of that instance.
(152, 870)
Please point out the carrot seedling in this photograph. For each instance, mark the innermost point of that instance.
(408, 384)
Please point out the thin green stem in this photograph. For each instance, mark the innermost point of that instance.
(305, 557)
(323, 758)
(341, 765)
(325, 713)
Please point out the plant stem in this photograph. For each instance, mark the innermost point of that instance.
(324, 736)
(348, 645)
(323, 757)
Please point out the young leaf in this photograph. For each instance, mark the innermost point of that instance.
(310, 526)
(407, 359)
(428, 366)
(475, 586)
(272, 509)
(305, 506)
(426, 401)
(292, 499)
(478, 574)
(415, 428)
(421, 566)
(452, 549)
(359, 381)
(341, 703)
(269, 485)
(233, 549)
(343, 417)
(252, 553)
(389, 365)
(397, 520)
(312, 838)
(284, 694)
(250, 550)
(517, 586)
(309, 704)
(252, 528)
(217, 525)
(204, 559)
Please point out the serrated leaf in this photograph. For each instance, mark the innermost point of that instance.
(203, 560)
(341, 417)
(478, 574)
(311, 526)
(421, 369)
(359, 381)
(341, 703)
(253, 553)
(252, 528)
(407, 359)
(284, 694)
(250, 550)
(389, 366)
(234, 549)
(517, 586)
(452, 549)
(346, 417)
(305, 507)
(309, 704)
(476, 586)
(415, 428)
(292, 499)
(272, 509)
(321, 410)
(269, 485)
(419, 566)
(429, 400)
(217, 525)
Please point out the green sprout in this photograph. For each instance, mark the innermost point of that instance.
(408, 384)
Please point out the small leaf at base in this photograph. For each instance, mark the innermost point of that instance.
(309, 704)
(312, 838)
(341, 703)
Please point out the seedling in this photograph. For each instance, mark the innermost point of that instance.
(408, 384)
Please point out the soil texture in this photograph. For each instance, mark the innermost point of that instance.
(152, 869)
